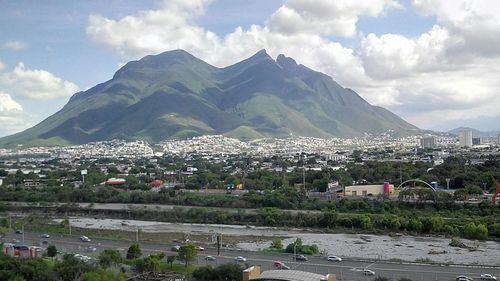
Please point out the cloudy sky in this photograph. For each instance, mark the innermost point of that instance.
(435, 63)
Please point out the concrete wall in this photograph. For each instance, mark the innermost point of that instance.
(251, 273)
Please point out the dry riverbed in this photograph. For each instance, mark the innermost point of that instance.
(385, 247)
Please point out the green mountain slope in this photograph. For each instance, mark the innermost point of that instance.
(174, 94)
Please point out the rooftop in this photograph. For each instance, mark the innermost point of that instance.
(290, 275)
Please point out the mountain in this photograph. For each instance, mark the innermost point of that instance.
(176, 95)
(475, 132)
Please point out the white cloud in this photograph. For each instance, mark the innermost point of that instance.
(155, 31)
(15, 45)
(452, 69)
(325, 17)
(8, 105)
(35, 84)
(11, 115)
(474, 22)
(392, 55)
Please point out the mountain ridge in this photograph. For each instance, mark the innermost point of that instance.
(475, 132)
(174, 94)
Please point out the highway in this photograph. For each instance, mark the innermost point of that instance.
(348, 269)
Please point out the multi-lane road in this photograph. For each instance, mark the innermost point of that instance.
(348, 269)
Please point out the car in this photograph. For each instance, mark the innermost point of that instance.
(15, 241)
(85, 239)
(280, 265)
(333, 258)
(283, 267)
(463, 278)
(210, 258)
(200, 248)
(240, 259)
(18, 231)
(45, 242)
(83, 258)
(45, 235)
(300, 258)
(368, 272)
(487, 276)
(91, 249)
(175, 248)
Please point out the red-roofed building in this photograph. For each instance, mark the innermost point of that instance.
(156, 183)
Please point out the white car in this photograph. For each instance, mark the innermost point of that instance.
(45, 235)
(91, 249)
(334, 258)
(240, 259)
(83, 258)
(85, 239)
(200, 248)
(368, 272)
(488, 277)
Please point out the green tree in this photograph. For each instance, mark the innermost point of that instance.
(495, 230)
(328, 219)
(366, 222)
(65, 223)
(134, 252)
(460, 194)
(109, 257)
(204, 273)
(481, 231)
(150, 263)
(187, 253)
(229, 271)
(277, 244)
(104, 275)
(295, 246)
(71, 268)
(320, 185)
(51, 251)
(170, 260)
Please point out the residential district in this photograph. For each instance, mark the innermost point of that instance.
(306, 182)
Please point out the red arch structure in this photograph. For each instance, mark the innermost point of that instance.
(497, 190)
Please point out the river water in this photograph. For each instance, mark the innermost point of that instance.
(407, 248)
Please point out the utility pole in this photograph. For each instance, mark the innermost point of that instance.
(400, 174)
(448, 183)
(69, 224)
(304, 178)
(219, 243)
(22, 230)
(137, 234)
(295, 251)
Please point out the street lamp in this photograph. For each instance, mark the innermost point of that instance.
(295, 251)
